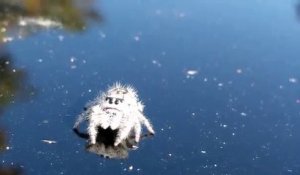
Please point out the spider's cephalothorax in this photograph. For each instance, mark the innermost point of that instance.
(118, 108)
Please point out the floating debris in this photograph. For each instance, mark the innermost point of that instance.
(49, 141)
(243, 114)
(293, 80)
(157, 63)
(239, 71)
(191, 73)
(130, 168)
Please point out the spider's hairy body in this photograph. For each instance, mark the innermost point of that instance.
(119, 108)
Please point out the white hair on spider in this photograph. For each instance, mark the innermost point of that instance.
(119, 108)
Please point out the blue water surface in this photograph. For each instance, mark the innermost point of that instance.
(220, 81)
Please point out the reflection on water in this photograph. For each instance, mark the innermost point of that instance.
(12, 87)
(21, 18)
(104, 146)
(2, 141)
(10, 170)
(11, 81)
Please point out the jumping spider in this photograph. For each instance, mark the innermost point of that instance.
(118, 108)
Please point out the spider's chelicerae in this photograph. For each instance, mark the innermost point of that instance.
(118, 108)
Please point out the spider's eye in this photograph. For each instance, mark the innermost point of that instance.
(118, 100)
(109, 99)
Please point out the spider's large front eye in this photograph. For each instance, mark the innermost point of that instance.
(118, 100)
(109, 99)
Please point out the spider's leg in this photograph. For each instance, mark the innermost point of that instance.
(137, 131)
(80, 119)
(146, 122)
(92, 130)
(122, 134)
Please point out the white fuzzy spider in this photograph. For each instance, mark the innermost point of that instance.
(118, 108)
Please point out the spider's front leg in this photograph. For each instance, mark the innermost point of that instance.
(122, 134)
(82, 117)
(146, 122)
(93, 126)
(92, 131)
(137, 132)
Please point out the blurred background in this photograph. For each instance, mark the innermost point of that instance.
(220, 81)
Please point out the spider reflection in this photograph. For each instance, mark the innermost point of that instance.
(104, 146)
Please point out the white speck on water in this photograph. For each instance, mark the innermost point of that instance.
(73, 67)
(239, 71)
(243, 114)
(170, 155)
(136, 38)
(191, 73)
(72, 59)
(130, 168)
(40, 60)
(7, 62)
(224, 125)
(90, 90)
(203, 152)
(205, 79)
(157, 63)
(293, 80)
(233, 134)
(61, 38)
(49, 141)
(7, 148)
(220, 84)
